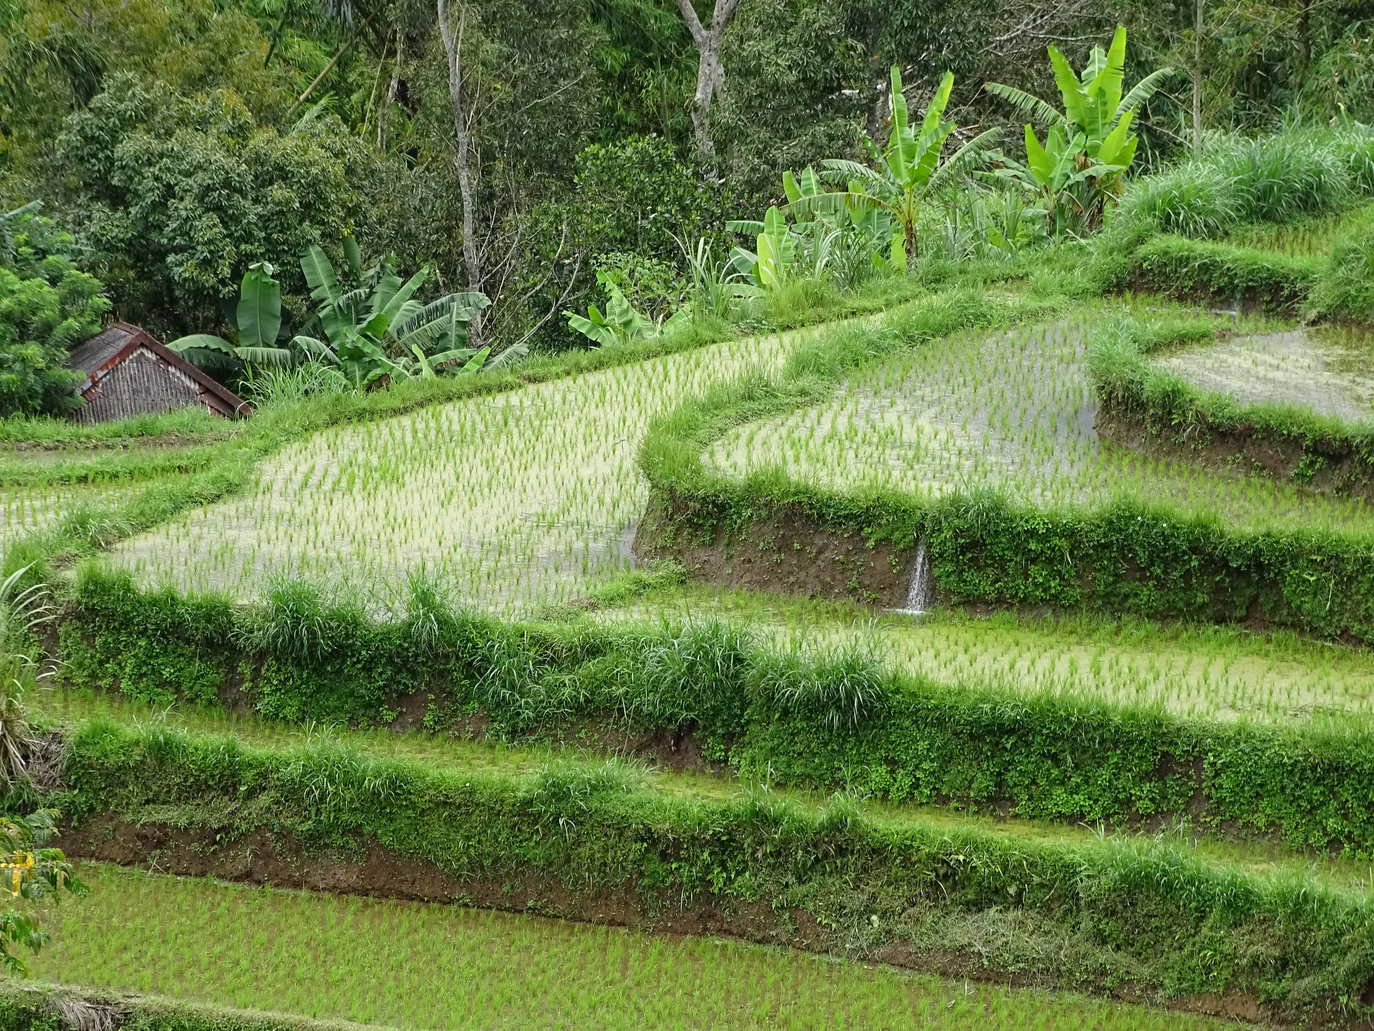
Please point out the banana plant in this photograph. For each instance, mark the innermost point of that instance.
(1095, 124)
(620, 324)
(1056, 175)
(769, 266)
(869, 228)
(909, 170)
(257, 323)
(374, 329)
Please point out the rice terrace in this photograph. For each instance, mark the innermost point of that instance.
(732, 515)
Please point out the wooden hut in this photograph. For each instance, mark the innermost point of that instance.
(129, 373)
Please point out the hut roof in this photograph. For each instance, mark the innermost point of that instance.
(102, 352)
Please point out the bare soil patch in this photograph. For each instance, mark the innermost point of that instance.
(785, 551)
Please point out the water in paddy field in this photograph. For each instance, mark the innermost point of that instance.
(1328, 369)
(510, 502)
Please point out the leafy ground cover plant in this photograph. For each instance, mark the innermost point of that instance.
(30, 872)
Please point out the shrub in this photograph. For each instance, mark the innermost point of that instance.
(46, 306)
(632, 198)
(651, 285)
(178, 196)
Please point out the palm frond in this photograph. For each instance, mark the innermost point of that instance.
(1143, 91)
(315, 348)
(975, 151)
(1026, 104)
(510, 354)
(841, 170)
(438, 311)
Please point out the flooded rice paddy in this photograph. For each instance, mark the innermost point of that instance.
(1014, 409)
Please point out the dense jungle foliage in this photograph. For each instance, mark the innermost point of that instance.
(568, 156)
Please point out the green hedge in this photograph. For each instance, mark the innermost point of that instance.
(1269, 280)
(1096, 914)
(1335, 453)
(828, 720)
(35, 1007)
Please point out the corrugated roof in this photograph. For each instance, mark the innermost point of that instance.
(89, 356)
(120, 339)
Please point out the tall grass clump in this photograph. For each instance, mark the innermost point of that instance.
(1345, 286)
(294, 385)
(1284, 177)
(1355, 144)
(843, 687)
(1293, 175)
(1194, 199)
(24, 606)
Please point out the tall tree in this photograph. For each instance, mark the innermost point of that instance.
(1197, 76)
(463, 116)
(710, 70)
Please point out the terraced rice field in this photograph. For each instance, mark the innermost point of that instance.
(1312, 237)
(513, 501)
(1013, 409)
(527, 763)
(1203, 672)
(429, 966)
(1328, 370)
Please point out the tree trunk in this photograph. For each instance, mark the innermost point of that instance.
(1197, 75)
(389, 97)
(879, 76)
(327, 69)
(710, 71)
(376, 81)
(462, 128)
(1305, 36)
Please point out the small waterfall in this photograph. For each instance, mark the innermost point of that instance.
(919, 594)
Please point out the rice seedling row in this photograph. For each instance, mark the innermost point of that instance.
(1312, 237)
(514, 501)
(1014, 410)
(1206, 674)
(430, 966)
(25, 510)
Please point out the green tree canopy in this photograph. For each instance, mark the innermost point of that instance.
(46, 306)
(179, 196)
